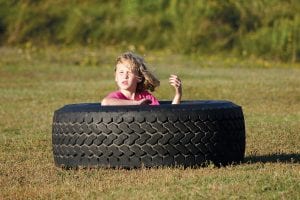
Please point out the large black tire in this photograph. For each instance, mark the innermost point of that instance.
(189, 134)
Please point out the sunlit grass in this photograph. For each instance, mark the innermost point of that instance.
(30, 91)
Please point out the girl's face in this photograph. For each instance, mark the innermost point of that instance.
(125, 78)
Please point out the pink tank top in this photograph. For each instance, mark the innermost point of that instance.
(139, 96)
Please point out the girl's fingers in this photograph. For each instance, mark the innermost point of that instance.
(176, 84)
(174, 78)
(173, 75)
(175, 81)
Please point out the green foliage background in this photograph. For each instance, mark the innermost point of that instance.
(268, 29)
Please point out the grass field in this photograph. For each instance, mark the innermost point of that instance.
(34, 83)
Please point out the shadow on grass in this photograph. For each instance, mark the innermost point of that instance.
(274, 158)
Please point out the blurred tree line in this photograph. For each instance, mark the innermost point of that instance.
(263, 28)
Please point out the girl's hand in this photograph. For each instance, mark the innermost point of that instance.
(176, 83)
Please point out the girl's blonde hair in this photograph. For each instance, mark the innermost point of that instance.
(138, 65)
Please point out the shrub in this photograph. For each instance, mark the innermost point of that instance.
(264, 28)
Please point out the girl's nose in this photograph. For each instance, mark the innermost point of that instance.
(126, 75)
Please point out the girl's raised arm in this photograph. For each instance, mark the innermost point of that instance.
(176, 83)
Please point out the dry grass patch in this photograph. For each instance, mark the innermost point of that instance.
(30, 93)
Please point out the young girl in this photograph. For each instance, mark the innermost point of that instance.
(134, 81)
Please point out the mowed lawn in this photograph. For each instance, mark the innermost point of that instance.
(33, 85)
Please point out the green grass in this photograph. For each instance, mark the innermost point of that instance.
(34, 83)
